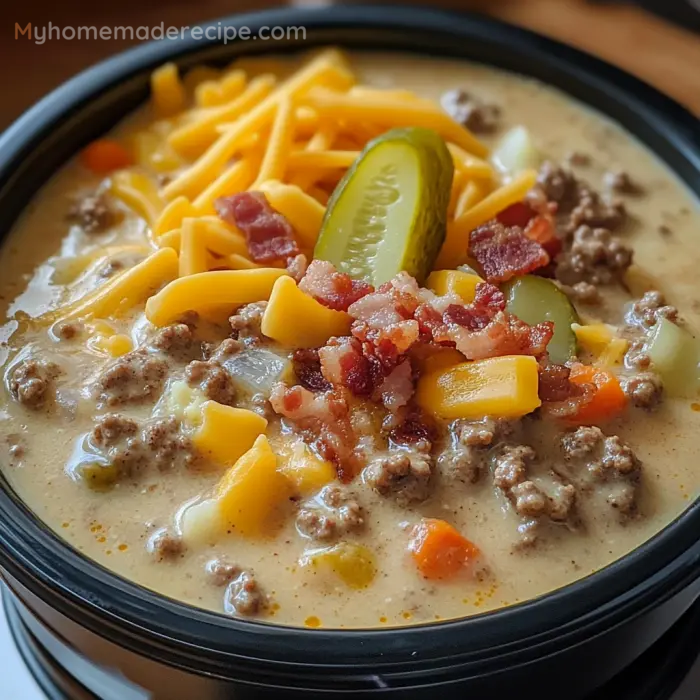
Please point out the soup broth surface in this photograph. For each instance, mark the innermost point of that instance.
(50, 259)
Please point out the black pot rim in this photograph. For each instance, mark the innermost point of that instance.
(179, 634)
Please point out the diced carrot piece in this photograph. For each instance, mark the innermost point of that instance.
(104, 156)
(438, 550)
(608, 400)
(542, 230)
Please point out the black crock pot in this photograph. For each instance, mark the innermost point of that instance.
(122, 641)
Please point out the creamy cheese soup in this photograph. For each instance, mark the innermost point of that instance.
(397, 340)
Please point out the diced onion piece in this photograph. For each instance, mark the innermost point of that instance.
(674, 353)
(258, 370)
(516, 152)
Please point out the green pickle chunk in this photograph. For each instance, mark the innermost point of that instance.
(536, 299)
(98, 477)
(389, 211)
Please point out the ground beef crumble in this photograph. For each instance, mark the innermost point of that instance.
(31, 382)
(244, 596)
(404, 475)
(111, 428)
(131, 448)
(578, 204)
(478, 116)
(163, 545)
(595, 256)
(178, 342)
(94, 213)
(221, 572)
(134, 377)
(620, 182)
(603, 465)
(245, 323)
(213, 380)
(467, 454)
(331, 515)
(646, 312)
(67, 330)
(544, 497)
(644, 390)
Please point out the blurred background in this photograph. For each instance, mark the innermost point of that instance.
(658, 40)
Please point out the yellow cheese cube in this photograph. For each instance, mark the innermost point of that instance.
(461, 283)
(593, 337)
(306, 471)
(296, 319)
(500, 386)
(252, 489)
(226, 433)
(354, 564)
(614, 353)
(118, 345)
(440, 358)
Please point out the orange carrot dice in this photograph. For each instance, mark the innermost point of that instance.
(438, 550)
(608, 400)
(104, 156)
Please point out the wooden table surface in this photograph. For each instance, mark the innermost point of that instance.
(661, 53)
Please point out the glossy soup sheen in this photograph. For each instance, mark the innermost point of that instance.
(113, 527)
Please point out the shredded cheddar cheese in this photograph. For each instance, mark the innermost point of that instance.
(254, 126)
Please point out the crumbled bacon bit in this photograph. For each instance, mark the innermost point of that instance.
(482, 329)
(296, 267)
(343, 364)
(269, 235)
(518, 214)
(333, 289)
(542, 229)
(554, 384)
(415, 428)
(504, 335)
(561, 397)
(505, 251)
(397, 388)
(324, 420)
(488, 301)
(307, 367)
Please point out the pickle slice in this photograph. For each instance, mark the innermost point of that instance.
(535, 299)
(388, 213)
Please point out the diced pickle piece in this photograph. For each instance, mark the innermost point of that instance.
(258, 370)
(504, 387)
(674, 353)
(98, 477)
(390, 209)
(535, 299)
(354, 564)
